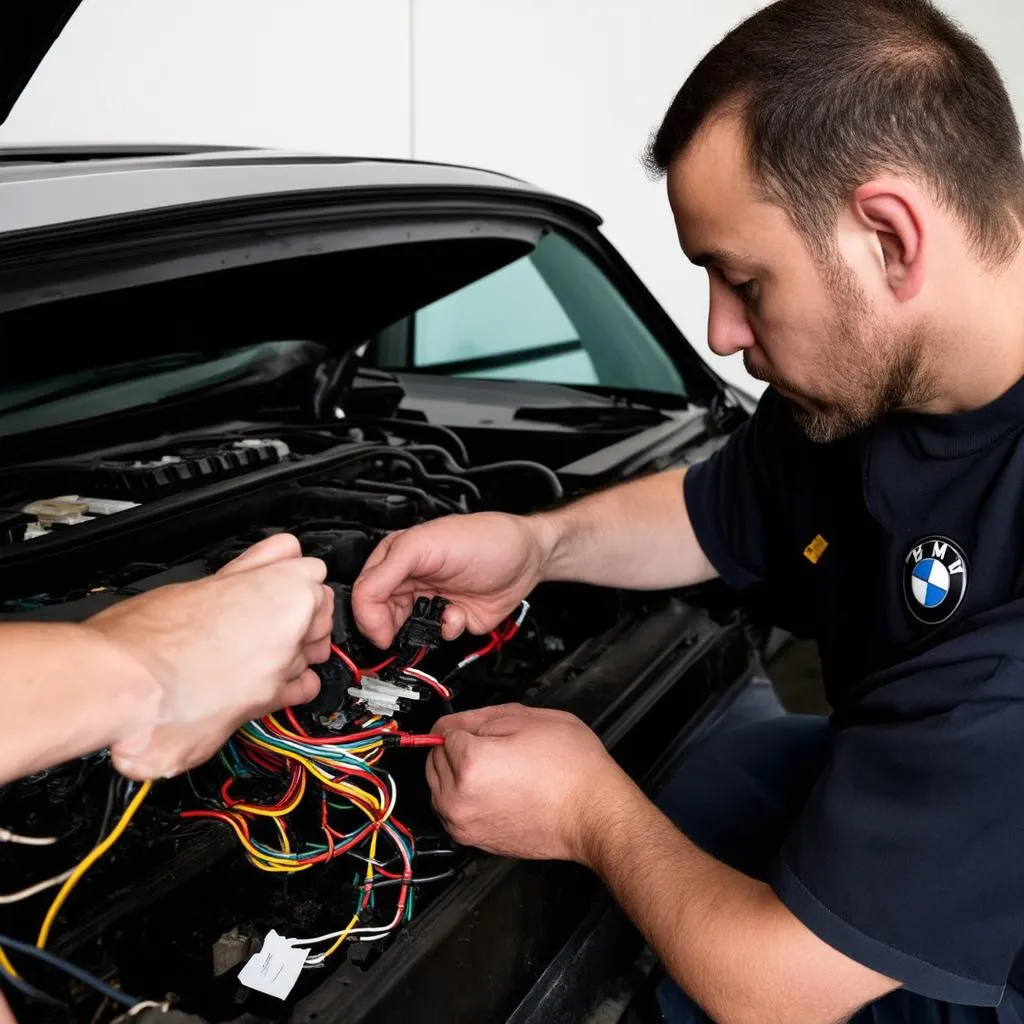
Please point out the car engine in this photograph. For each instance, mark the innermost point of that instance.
(314, 824)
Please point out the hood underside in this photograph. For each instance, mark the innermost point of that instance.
(27, 31)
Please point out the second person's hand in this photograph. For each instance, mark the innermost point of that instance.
(484, 564)
(217, 652)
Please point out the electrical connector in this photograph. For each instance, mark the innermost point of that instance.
(381, 697)
(420, 632)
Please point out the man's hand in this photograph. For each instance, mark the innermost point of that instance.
(533, 783)
(483, 564)
(521, 782)
(219, 651)
(637, 535)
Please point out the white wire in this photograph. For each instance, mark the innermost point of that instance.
(376, 932)
(15, 897)
(372, 935)
(426, 677)
(148, 1004)
(6, 836)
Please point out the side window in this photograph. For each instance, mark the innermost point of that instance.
(551, 316)
(508, 325)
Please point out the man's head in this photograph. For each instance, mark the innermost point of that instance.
(838, 167)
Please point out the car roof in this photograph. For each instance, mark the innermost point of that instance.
(44, 186)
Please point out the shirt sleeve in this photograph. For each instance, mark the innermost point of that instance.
(907, 857)
(727, 496)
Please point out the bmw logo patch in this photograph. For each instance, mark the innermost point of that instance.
(934, 579)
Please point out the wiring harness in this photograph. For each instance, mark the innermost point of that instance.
(323, 778)
(338, 773)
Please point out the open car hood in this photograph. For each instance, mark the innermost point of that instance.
(27, 31)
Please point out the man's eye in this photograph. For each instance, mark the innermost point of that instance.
(748, 291)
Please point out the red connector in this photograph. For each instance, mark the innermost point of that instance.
(426, 740)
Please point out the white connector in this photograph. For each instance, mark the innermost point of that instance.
(382, 698)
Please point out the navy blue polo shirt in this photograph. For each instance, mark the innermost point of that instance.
(901, 550)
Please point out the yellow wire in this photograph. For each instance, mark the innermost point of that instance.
(286, 846)
(344, 788)
(342, 937)
(91, 858)
(7, 965)
(369, 878)
(280, 812)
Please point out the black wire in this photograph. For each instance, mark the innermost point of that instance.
(431, 504)
(29, 992)
(122, 998)
(409, 430)
(549, 475)
(108, 811)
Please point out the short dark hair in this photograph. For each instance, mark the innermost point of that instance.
(833, 92)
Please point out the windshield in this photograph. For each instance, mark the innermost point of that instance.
(86, 394)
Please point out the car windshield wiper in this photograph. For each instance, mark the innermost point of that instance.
(589, 416)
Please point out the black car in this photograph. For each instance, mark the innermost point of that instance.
(203, 347)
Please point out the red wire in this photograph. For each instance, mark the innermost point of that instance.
(293, 788)
(328, 740)
(323, 823)
(290, 715)
(220, 816)
(383, 664)
(349, 663)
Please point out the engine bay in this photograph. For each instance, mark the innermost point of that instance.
(313, 824)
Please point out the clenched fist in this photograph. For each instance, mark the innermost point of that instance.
(218, 652)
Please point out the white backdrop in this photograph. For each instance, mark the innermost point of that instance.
(560, 92)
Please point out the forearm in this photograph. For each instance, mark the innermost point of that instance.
(636, 536)
(724, 937)
(66, 690)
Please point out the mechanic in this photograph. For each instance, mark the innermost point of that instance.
(850, 175)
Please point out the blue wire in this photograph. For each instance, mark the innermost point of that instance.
(29, 992)
(68, 968)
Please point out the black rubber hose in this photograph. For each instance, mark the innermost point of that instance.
(419, 471)
(410, 428)
(515, 464)
(435, 449)
(557, 490)
(430, 503)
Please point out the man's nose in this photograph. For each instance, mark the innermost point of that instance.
(729, 329)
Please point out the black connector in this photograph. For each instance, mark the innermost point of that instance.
(423, 627)
(335, 679)
(421, 630)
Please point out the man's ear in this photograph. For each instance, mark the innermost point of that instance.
(894, 212)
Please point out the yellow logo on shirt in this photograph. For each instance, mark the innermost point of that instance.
(816, 549)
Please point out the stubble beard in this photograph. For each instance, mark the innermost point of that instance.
(875, 370)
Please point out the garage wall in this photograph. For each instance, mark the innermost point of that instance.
(560, 92)
(573, 88)
(330, 75)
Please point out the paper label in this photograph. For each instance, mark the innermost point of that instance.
(275, 968)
